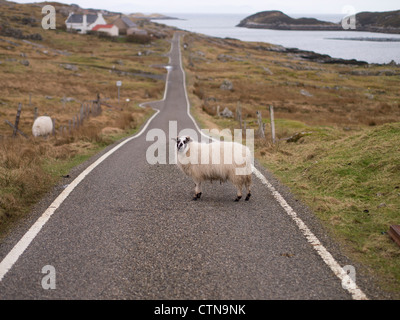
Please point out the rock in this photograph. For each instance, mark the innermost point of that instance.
(267, 70)
(25, 63)
(227, 113)
(305, 93)
(370, 96)
(29, 21)
(226, 85)
(48, 97)
(67, 99)
(387, 72)
(12, 32)
(200, 53)
(297, 136)
(227, 57)
(35, 36)
(71, 67)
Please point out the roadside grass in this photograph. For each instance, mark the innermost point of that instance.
(30, 168)
(346, 167)
(352, 184)
(78, 67)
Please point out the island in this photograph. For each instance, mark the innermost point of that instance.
(382, 22)
(277, 20)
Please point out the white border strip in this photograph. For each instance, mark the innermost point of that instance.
(351, 287)
(7, 263)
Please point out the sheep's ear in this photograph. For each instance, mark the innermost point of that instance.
(175, 139)
(189, 139)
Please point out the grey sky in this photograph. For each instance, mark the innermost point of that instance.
(234, 6)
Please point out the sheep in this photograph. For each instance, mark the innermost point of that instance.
(215, 161)
(42, 126)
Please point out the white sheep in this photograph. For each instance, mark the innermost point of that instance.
(42, 126)
(215, 161)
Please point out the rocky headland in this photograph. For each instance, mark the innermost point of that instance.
(383, 22)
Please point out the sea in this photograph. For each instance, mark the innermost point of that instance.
(371, 47)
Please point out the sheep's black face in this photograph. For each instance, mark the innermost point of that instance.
(181, 143)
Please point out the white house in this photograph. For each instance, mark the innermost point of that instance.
(83, 22)
(107, 28)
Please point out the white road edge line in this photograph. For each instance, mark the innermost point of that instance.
(12, 257)
(7, 263)
(351, 287)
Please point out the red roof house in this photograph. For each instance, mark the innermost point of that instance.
(108, 28)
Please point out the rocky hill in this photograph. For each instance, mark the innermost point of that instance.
(280, 21)
(384, 22)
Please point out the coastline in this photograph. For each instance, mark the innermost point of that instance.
(373, 52)
(252, 25)
(377, 22)
(315, 57)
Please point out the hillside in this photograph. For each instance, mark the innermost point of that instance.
(280, 21)
(384, 22)
(57, 73)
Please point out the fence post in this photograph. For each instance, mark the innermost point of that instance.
(261, 132)
(239, 114)
(271, 111)
(82, 115)
(17, 120)
(98, 104)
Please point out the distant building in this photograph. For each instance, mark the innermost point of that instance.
(83, 22)
(111, 29)
(124, 24)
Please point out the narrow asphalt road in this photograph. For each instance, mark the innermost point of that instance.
(129, 230)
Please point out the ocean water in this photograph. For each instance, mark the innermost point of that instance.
(223, 25)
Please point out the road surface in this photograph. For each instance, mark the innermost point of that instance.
(129, 230)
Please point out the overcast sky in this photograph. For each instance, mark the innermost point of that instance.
(234, 6)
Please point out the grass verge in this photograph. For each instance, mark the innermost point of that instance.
(30, 168)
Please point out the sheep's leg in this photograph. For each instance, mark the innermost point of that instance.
(239, 193)
(197, 191)
(248, 190)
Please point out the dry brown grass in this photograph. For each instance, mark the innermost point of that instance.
(347, 169)
(30, 167)
(299, 90)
